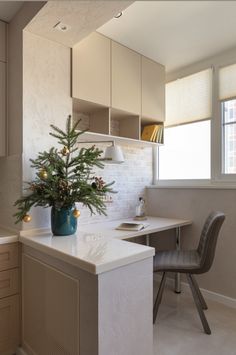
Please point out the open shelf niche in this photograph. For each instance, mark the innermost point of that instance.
(124, 124)
(106, 123)
(145, 121)
(94, 117)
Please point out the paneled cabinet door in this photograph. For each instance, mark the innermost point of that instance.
(91, 69)
(3, 27)
(126, 79)
(153, 90)
(9, 325)
(2, 108)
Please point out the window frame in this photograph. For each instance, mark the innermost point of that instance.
(218, 178)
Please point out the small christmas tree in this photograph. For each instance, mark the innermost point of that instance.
(64, 177)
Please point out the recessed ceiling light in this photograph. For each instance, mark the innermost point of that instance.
(118, 15)
(62, 27)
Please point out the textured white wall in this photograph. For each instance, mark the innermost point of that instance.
(10, 187)
(47, 100)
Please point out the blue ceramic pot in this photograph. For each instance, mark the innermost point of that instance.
(63, 222)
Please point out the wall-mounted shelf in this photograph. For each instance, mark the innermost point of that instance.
(96, 137)
(106, 123)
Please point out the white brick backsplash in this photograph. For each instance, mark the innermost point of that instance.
(130, 178)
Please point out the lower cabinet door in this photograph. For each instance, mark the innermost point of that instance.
(9, 325)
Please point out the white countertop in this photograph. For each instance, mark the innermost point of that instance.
(155, 224)
(7, 237)
(98, 247)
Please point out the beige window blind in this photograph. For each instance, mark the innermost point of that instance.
(189, 99)
(227, 82)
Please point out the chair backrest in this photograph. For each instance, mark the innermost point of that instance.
(208, 240)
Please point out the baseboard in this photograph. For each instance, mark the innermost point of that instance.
(210, 295)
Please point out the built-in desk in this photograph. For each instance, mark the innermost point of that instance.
(89, 293)
(155, 225)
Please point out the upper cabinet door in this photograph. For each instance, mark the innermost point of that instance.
(2, 109)
(91, 69)
(126, 79)
(153, 90)
(3, 41)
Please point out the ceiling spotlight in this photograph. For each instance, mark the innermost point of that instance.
(62, 27)
(118, 15)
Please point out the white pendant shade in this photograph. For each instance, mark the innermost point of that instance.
(114, 155)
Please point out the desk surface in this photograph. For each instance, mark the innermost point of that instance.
(97, 247)
(155, 224)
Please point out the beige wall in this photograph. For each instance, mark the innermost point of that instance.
(46, 100)
(15, 74)
(196, 204)
(10, 166)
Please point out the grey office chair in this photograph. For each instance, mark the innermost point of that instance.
(191, 262)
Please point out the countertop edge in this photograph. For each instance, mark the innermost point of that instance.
(147, 252)
(9, 239)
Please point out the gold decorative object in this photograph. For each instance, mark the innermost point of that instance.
(43, 174)
(76, 213)
(27, 218)
(65, 151)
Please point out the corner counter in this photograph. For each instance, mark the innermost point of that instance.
(87, 294)
(92, 252)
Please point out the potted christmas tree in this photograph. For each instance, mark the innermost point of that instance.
(64, 177)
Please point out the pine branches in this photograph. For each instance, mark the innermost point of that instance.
(64, 177)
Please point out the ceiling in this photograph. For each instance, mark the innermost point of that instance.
(83, 17)
(175, 33)
(8, 9)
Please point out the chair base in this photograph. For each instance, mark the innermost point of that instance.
(199, 302)
(197, 296)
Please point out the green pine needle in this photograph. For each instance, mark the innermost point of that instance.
(69, 178)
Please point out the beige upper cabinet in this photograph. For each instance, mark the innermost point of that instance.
(3, 41)
(126, 79)
(2, 108)
(91, 69)
(153, 90)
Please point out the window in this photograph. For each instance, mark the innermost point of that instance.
(229, 136)
(227, 95)
(186, 153)
(187, 140)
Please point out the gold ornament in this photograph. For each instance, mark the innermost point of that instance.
(43, 174)
(65, 151)
(76, 213)
(27, 218)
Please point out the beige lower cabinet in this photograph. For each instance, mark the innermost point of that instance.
(69, 311)
(9, 324)
(50, 310)
(9, 299)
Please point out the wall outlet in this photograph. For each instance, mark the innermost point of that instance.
(108, 199)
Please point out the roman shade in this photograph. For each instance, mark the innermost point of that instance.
(189, 99)
(227, 82)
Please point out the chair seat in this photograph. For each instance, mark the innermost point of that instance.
(178, 261)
